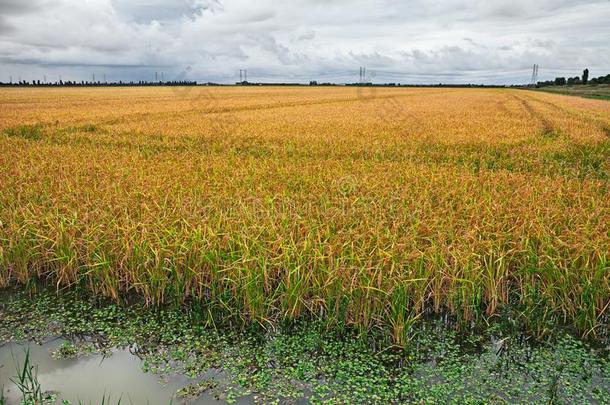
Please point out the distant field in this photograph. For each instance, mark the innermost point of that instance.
(364, 207)
(601, 92)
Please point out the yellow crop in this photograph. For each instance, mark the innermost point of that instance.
(365, 207)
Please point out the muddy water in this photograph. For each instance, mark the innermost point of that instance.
(90, 379)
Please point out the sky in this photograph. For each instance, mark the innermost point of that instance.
(410, 41)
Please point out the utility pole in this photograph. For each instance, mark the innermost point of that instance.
(156, 77)
(92, 77)
(11, 79)
(44, 79)
(162, 77)
(105, 78)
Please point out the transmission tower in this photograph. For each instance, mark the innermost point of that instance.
(362, 75)
(535, 75)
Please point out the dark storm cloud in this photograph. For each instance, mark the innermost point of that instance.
(408, 41)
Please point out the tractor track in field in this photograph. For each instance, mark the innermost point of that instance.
(547, 128)
(604, 126)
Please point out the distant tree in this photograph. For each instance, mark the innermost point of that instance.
(560, 81)
(585, 76)
(574, 80)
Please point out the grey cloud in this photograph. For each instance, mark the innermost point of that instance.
(283, 53)
(159, 10)
(303, 34)
(42, 62)
(8, 7)
(258, 17)
(414, 40)
(5, 26)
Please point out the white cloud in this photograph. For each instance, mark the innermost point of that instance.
(407, 41)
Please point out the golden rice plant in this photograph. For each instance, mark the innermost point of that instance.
(367, 208)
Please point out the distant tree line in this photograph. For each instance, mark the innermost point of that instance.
(74, 83)
(83, 83)
(316, 83)
(572, 81)
(425, 85)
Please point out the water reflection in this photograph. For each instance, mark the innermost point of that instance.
(89, 379)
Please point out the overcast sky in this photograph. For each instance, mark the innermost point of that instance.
(410, 41)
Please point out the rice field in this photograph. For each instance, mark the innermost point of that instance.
(362, 207)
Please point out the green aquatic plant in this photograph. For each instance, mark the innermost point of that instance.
(27, 382)
(308, 360)
(70, 350)
(195, 390)
(66, 351)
